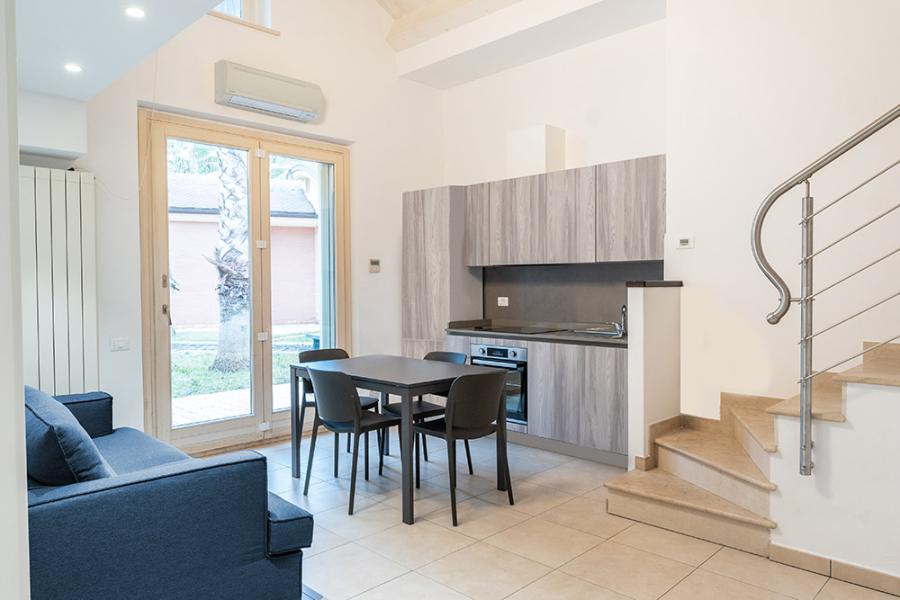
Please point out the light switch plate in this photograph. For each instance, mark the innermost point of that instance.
(502, 301)
(684, 242)
(119, 345)
(374, 265)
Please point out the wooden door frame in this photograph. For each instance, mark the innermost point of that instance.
(152, 179)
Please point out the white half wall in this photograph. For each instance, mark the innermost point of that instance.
(756, 90)
(608, 96)
(395, 127)
(13, 504)
(52, 126)
(848, 510)
(654, 341)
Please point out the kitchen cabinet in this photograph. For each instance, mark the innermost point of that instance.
(478, 222)
(571, 213)
(518, 218)
(577, 395)
(436, 286)
(631, 209)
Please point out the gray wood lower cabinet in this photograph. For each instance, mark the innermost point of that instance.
(577, 394)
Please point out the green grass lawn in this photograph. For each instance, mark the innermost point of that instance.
(191, 373)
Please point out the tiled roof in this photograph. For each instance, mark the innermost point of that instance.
(199, 194)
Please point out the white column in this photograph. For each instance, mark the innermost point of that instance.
(13, 503)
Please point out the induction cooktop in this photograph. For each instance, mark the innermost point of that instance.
(523, 330)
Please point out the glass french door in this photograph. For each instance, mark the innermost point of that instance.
(245, 249)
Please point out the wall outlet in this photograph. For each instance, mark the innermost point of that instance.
(502, 301)
(685, 242)
(119, 345)
(374, 265)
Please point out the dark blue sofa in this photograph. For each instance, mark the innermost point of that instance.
(165, 526)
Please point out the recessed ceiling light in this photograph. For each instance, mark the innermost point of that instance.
(73, 68)
(134, 12)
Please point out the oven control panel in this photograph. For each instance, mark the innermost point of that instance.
(500, 352)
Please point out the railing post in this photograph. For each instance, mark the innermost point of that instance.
(806, 344)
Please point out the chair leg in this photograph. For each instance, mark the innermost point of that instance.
(451, 461)
(416, 437)
(337, 449)
(348, 442)
(312, 450)
(469, 457)
(425, 447)
(367, 456)
(381, 435)
(508, 478)
(302, 412)
(353, 472)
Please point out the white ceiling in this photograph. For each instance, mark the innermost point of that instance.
(96, 34)
(400, 8)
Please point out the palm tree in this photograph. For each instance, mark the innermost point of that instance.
(232, 262)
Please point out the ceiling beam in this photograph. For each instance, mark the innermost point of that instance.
(430, 18)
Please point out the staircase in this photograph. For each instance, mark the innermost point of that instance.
(711, 478)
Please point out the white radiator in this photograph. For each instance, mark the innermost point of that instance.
(59, 280)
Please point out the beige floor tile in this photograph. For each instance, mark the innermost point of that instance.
(529, 497)
(840, 590)
(764, 573)
(474, 485)
(415, 546)
(363, 522)
(703, 585)
(547, 543)
(411, 586)
(627, 570)
(576, 477)
(601, 494)
(430, 497)
(323, 540)
(590, 516)
(666, 543)
(348, 570)
(559, 586)
(484, 572)
(325, 496)
(478, 519)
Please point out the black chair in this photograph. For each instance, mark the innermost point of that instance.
(423, 409)
(473, 408)
(338, 410)
(366, 403)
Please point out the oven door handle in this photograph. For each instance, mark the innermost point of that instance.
(491, 363)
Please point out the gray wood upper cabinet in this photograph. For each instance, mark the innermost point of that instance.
(577, 394)
(571, 214)
(477, 230)
(631, 209)
(543, 219)
(436, 285)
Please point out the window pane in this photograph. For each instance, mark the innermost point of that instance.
(234, 8)
(301, 200)
(209, 282)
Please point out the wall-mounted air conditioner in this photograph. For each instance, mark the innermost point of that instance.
(268, 93)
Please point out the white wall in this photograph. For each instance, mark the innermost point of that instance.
(13, 506)
(395, 126)
(52, 126)
(608, 96)
(757, 89)
(848, 509)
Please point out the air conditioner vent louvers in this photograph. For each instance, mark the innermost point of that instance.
(247, 88)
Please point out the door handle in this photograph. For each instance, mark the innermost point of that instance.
(168, 313)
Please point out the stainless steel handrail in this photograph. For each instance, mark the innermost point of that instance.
(759, 254)
(807, 294)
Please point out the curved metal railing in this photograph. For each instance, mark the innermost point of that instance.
(807, 294)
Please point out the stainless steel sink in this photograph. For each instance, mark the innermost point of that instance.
(609, 330)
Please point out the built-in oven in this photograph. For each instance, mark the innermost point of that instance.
(515, 361)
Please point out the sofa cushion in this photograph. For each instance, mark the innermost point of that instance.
(128, 450)
(290, 527)
(59, 450)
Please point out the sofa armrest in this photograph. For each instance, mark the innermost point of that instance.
(290, 527)
(188, 529)
(93, 411)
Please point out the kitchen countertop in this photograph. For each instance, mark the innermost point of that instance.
(475, 329)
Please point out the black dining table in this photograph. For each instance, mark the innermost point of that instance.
(399, 376)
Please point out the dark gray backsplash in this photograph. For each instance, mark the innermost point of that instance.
(584, 293)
